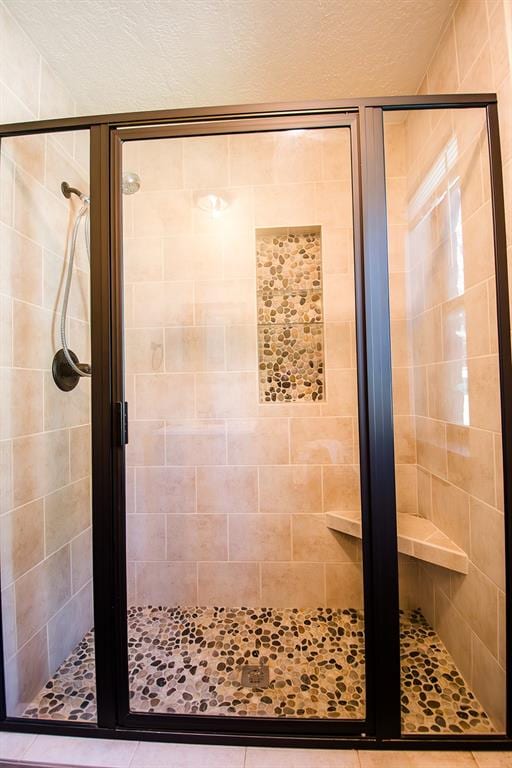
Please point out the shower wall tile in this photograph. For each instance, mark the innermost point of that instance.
(342, 399)
(22, 540)
(291, 205)
(166, 584)
(338, 250)
(228, 489)
(67, 513)
(194, 348)
(292, 489)
(195, 443)
(160, 164)
(251, 158)
(322, 441)
(38, 214)
(197, 537)
(5, 331)
(336, 155)
(68, 627)
(258, 441)
(339, 345)
(241, 348)
(488, 678)
(468, 594)
(471, 461)
(162, 214)
(147, 443)
(21, 266)
(61, 411)
(145, 537)
(165, 490)
(225, 302)
(282, 583)
(431, 446)
(144, 348)
(450, 511)
(157, 305)
(343, 585)
(21, 401)
(26, 672)
(81, 560)
(9, 622)
(229, 584)
(164, 395)
(51, 582)
(333, 203)
(40, 465)
(341, 488)
(80, 452)
(7, 192)
(470, 312)
(486, 527)
(405, 442)
(484, 393)
(193, 256)
(205, 162)
(298, 161)
(143, 259)
(314, 542)
(259, 537)
(33, 336)
(226, 395)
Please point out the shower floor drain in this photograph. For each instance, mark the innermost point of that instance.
(255, 676)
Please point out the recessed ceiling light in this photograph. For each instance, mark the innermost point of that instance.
(211, 202)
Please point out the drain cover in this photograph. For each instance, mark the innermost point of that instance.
(255, 676)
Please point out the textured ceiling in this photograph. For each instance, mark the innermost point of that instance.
(117, 55)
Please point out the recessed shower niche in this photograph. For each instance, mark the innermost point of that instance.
(290, 314)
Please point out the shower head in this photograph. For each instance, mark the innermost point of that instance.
(130, 183)
(67, 191)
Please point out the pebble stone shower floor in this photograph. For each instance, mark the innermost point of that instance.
(190, 660)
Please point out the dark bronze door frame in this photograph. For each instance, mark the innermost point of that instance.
(364, 119)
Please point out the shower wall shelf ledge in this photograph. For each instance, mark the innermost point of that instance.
(417, 537)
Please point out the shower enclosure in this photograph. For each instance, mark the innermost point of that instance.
(278, 508)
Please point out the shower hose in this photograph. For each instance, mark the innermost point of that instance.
(83, 213)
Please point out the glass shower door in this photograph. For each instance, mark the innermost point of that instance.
(244, 564)
(45, 432)
(447, 403)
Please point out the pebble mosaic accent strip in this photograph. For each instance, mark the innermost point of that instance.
(290, 317)
(190, 660)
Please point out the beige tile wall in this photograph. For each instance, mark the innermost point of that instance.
(45, 534)
(451, 329)
(226, 496)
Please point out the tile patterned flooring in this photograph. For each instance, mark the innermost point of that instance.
(189, 660)
(23, 749)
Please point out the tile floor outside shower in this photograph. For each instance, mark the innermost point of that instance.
(190, 660)
(28, 749)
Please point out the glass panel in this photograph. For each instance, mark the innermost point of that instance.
(447, 422)
(45, 499)
(244, 597)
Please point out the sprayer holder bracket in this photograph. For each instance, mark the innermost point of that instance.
(63, 374)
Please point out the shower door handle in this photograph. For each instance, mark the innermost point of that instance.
(121, 422)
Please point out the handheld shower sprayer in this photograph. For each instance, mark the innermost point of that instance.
(66, 368)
